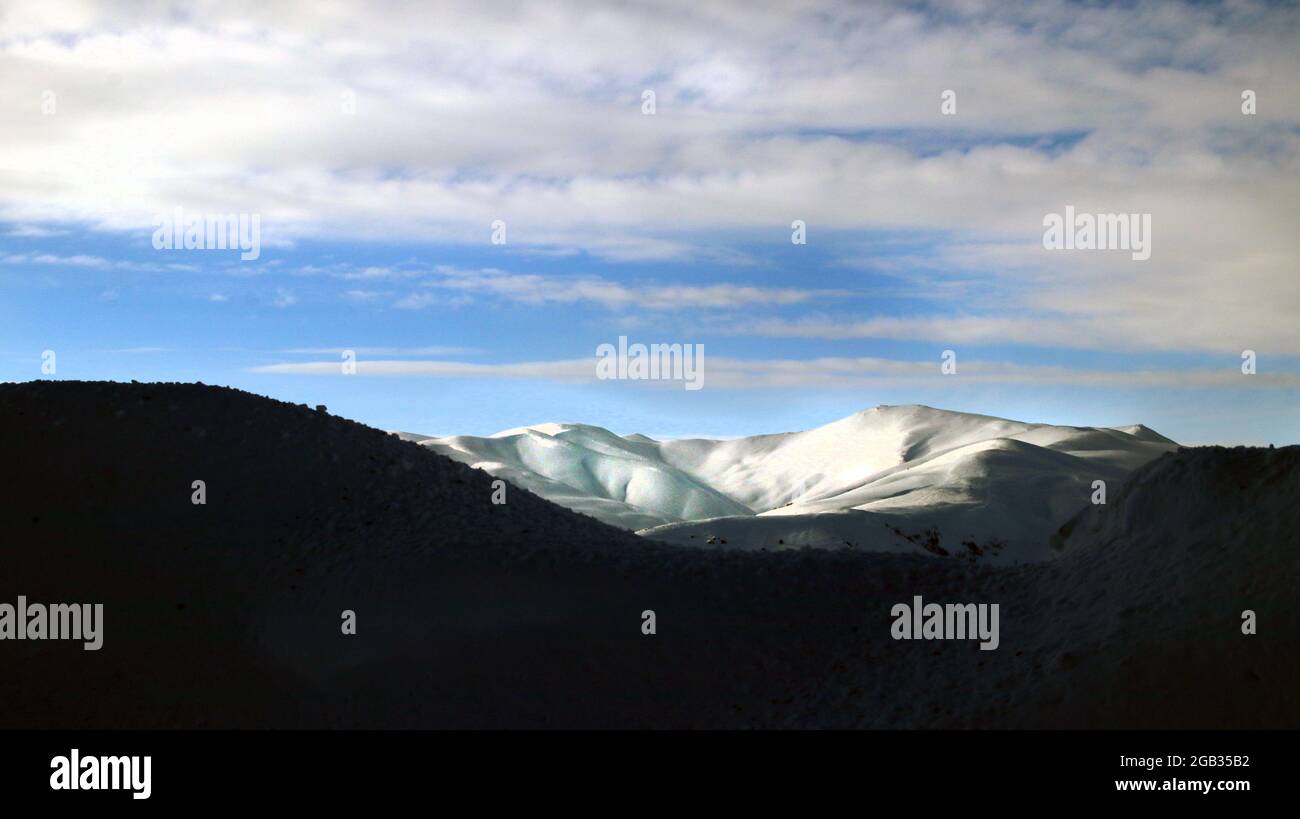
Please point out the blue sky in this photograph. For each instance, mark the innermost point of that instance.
(377, 149)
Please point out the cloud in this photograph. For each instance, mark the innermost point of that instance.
(379, 350)
(86, 261)
(573, 370)
(419, 301)
(543, 289)
(415, 125)
(829, 372)
(539, 289)
(1183, 333)
(34, 232)
(78, 260)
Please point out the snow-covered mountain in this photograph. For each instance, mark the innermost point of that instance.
(893, 478)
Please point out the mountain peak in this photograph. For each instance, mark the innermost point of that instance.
(919, 464)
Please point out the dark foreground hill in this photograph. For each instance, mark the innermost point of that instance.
(526, 615)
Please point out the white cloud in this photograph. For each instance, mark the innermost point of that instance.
(34, 232)
(530, 113)
(78, 260)
(539, 289)
(842, 373)
(436, 350)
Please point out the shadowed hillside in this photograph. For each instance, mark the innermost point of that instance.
(472, 614)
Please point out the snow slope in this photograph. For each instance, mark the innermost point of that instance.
(621, 481)
(880, 479)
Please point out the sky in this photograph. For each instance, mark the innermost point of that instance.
(470, 198)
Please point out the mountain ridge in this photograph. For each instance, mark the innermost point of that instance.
(919, 466)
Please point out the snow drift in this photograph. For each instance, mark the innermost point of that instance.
(894, 478)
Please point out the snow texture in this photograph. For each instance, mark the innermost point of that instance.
(908, 479)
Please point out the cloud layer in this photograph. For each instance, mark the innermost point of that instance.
(387, 121)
